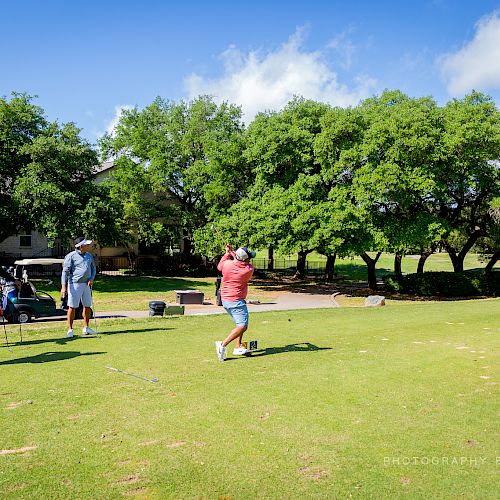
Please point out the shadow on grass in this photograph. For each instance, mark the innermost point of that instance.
(131, 284)
(60, 341)
(48, 357)
(145, 284)
(134, 330)
(299, 347)
(65, 340)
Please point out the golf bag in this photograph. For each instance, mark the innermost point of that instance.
(6, 306)
(218, 282)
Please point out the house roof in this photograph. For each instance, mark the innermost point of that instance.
(104, 166)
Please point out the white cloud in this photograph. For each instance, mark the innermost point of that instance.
(111, 124)
(477, 64)
(267, 81)
(344, 47)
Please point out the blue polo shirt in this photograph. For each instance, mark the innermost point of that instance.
(78, 267)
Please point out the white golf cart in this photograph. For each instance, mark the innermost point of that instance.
(32, 303)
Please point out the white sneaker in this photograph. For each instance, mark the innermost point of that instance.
(241, 351)
(70, 333)
(221, 351)
(88, 331)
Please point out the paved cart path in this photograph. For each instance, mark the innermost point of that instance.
(283, 302)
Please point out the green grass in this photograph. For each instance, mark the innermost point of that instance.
(336, 403)
(133, 293)
(354, 269)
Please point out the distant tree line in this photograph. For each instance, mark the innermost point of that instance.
(393, 174)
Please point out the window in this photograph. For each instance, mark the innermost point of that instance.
(25, 240)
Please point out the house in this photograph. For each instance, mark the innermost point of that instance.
(30, 244)
(33, 244)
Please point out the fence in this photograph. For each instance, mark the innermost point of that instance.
(115, 266)
(289, 264)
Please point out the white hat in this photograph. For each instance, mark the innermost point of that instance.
(82, 241)
(244, 253)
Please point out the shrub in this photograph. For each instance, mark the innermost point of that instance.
(447, 284)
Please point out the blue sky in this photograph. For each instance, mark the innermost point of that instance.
(86, 60)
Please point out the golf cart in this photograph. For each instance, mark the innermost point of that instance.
(32, 303)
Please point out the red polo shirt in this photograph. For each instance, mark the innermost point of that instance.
(235, 278)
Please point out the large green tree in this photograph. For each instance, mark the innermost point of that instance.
(56, 189)
(177, 166)
(466, 172)
(21, 122)
(348, 223)
(280, 149)
(395, 179)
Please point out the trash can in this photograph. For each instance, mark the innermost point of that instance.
(156, 308)
(218, 282)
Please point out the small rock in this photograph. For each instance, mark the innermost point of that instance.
(375, 301)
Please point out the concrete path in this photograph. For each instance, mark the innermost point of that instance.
(283, 302)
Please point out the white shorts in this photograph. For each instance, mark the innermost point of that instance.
(79, 292)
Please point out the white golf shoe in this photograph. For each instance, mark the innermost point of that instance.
(241, 351)
(88, 331)
(69, 335)
(221, 351)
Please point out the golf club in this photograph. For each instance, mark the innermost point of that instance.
(132, 374)
(5, 331)
(94, 313)
(215, 230)
(3, 307)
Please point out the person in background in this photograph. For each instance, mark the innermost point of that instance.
(236, 272)
(77, 279)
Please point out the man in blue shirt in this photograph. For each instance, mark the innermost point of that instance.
(76, 280)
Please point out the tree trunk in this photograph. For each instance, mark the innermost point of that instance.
(489, 267)
(421, 262)
(372, 275)
(301, 264)
(186, 249)
(270, 256)
(457, 259)
(397, 264)
(330, 267)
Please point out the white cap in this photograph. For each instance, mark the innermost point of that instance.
(84, 241)
(244, 253)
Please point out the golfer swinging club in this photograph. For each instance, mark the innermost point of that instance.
(236, 273)
(77, 279)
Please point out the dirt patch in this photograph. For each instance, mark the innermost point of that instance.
(405, 481)
(25, 449)
(313, 472)
(13, 406)
(176, 444)
(14, 487)
(265, 416)
(124, 462)
(150, 442)
(132, 479)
